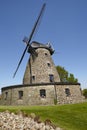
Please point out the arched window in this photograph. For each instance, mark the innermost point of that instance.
(67, 91)
(43, 93)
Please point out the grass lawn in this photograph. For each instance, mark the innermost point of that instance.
(68, 117)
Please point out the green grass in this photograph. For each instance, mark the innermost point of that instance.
(68, 117)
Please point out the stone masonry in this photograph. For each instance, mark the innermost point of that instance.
(31, 94)
(40, 68)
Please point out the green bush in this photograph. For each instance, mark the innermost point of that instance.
(85, 93)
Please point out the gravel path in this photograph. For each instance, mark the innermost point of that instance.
(11, 121)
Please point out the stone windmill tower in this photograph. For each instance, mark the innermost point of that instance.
(40, 67)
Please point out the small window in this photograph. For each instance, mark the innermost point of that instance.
(67, 91)
(6, 95)
(51, 78)
(33, 77)
(48, 64)
(46, 54)
(20, 94)
(43, 93)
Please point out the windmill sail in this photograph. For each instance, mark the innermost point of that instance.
(30, 37)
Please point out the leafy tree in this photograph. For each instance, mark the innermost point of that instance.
(62, 73)
(72, 79)
(65, 76)
(85, 93)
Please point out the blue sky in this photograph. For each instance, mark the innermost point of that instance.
(64, 24)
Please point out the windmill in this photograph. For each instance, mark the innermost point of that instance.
(40, 59)
(41, 82)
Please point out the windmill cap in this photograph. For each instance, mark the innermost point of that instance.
(37, 45)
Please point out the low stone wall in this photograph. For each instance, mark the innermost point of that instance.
(74, 95)
(41, 94)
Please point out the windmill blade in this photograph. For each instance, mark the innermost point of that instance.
(20, 61)
(36, 23)
(30, 37)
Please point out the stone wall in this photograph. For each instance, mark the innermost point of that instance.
(31, 94)
(73, 96)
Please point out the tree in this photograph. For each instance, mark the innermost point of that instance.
(62, 73)
(65, 76)
(72, 79)
(85, 93)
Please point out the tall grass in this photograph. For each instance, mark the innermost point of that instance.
(68, 117)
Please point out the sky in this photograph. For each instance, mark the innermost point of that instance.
(64, 25)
